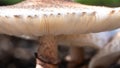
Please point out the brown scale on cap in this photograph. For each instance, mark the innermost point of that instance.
(112, 12)
(83, 13)
(7, 17)
(17, 16)
(29, 16)
(58, 14)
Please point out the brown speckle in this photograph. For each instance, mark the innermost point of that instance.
(93, 13)
(44, 15)
(68, 13)
(73, 13)
(113, 11)
(83, 13)
(17, 16)
(42, 9)
(35, 16)
(29, 16)
(51, 14)
(59, 14)
(7, 16)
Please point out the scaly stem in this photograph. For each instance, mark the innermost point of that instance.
(76, 56)
(47, 52)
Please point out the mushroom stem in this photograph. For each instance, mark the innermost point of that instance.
(47, 56)
(76, 56)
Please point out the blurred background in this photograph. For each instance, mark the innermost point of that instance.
(111, 3)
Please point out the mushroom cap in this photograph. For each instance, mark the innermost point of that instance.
(43, 17)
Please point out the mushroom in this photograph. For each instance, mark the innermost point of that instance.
(76, 42)
(46, 19)
(108, 55)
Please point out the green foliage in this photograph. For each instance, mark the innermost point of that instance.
(112, 3)
(9, 2)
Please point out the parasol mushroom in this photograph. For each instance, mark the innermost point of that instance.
(46, 19)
